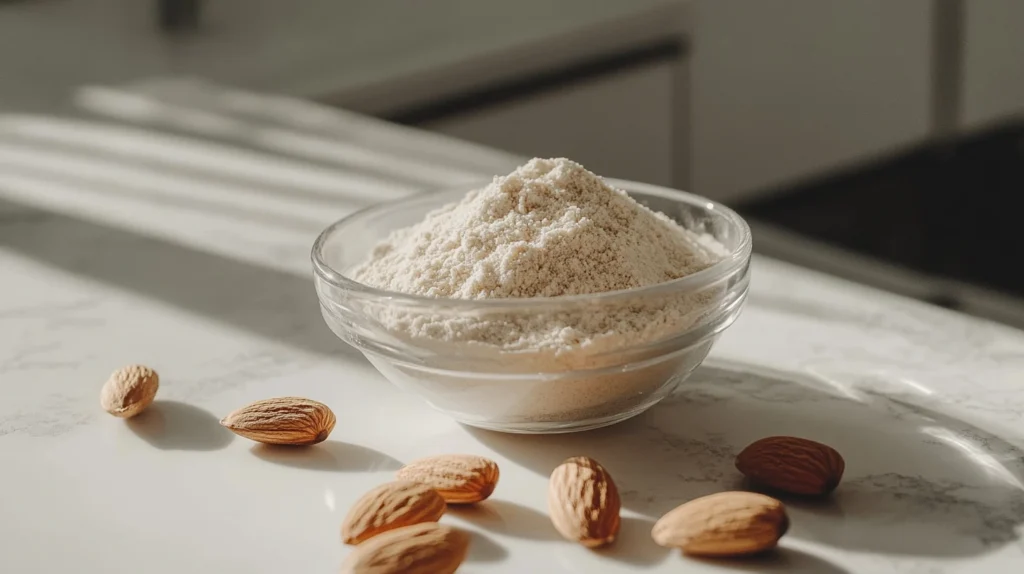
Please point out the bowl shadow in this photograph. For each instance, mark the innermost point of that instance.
(330, 456)
(918, 482)
(173, 425)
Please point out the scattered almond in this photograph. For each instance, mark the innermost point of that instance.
(428, 548)
(390, 506)
(584, 502)
(129, 390)
(458, 478)
(793, 465)
(723, 524)
(285, 420)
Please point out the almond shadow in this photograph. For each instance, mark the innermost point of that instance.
(483, 548)
(507, 518)
(634, 544)
(781, 560)
(173, 425)
(329, 456)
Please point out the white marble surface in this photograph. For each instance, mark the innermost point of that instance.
(177, 234)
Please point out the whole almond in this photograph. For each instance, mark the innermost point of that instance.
(723, 524)
(390, 506)
(584, 502)
(458, 478)
(428, 548)
(129, 390)
(285, 420)
(793, 465)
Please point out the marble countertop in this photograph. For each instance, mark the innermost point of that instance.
(147, 226)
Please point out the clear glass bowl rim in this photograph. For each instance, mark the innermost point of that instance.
(730, 264)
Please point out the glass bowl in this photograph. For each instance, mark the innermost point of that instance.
(442, 349)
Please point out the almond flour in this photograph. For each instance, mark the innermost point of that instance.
(550, 228)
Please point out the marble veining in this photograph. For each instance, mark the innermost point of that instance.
(925, 404)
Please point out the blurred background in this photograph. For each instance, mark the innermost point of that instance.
(877, 140)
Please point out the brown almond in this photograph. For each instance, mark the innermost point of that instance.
(129, 390)
(584, 502)
(458, 478)
(285, 420)
(428, 548)
(723, 524)
(390, 506)
(791, 464)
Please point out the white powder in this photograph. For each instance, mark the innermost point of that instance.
(549, 228)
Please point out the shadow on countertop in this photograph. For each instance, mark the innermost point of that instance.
(265, 302)
(483, 548)
(782, 560)
(507, 518)
(633, 546)
(173, 425)
(329, 456)
(918, 482)
(232, 159)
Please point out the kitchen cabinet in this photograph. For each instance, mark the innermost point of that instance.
(372, 56)
(789, 90)
(619, 124)
(771, 94)
(993, 63)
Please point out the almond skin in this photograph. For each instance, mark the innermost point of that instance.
(584, 502)
(285, 420)
(129, 391)
(723, 524)
(390, 506)
(793, 465)
(458, 478)
(428, 548)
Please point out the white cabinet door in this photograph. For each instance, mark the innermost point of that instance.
(787, 90)
(993, 62)
(619, 125)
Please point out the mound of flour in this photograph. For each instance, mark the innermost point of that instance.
(548, 228)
